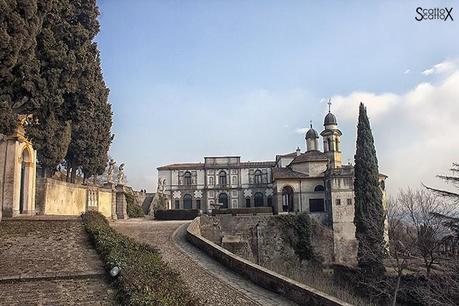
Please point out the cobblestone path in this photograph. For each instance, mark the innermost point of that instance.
(50, 263)
(209, 281)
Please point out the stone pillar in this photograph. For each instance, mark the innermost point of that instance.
(111, 186)
(121, 204)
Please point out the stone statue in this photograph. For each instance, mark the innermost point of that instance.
(111, 167)
(121, 174)
(161, 184)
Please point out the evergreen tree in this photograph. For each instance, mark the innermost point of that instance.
(369, 211)
(49, 128)
(19, 68)
(50, 71)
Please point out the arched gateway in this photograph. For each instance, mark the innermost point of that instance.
(17, 170)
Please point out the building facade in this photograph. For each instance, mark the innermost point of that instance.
(313, 181)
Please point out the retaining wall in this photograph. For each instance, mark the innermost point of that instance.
(295, 291)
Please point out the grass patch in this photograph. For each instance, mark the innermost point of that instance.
(145, 279)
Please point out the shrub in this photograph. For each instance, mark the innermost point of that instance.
(176, 214)
(297, 231)
(145, 279)
(133, 210)
(243, 211)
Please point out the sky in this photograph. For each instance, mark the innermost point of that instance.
(190, 79)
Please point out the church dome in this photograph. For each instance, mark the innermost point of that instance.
(330, 119)
(311, 133)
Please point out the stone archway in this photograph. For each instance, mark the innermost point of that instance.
(17, 172)
(287, 199)
(223, 200)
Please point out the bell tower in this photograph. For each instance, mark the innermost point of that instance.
(331, 138)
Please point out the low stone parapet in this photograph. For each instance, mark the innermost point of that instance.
(295, 291)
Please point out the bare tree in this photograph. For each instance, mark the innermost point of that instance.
(427, 230)
(400, 244)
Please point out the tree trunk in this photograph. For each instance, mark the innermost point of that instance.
(73, 174)
(397, 287)
(68, 174)
(43, 172)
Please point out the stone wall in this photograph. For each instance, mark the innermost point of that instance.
(105, 202)
(56, 197)
(261, 239)
(63, 198)
(295, 291)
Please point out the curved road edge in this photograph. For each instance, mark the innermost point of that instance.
(245, 286)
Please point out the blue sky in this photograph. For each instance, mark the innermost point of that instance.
(190, 79)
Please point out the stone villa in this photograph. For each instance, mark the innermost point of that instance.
(314, 181)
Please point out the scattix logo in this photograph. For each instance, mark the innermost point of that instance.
(434, 14)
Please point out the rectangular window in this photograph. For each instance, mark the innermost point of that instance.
(338, 201)
(316, 205)
(211, 180)
(177, 204)
(198, 204)
(349, 201)
(247, 202)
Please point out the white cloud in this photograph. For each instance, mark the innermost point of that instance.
(407, 71)
(347, 107)
(415, 132)
(301, 130)
(444, 67)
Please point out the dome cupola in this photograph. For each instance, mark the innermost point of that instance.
(312, 144)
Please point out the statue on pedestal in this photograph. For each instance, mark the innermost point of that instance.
(111, 167)
(121, 176)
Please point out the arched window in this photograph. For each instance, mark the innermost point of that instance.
(24, 181)
(222, 178)
(258, 177)
(319, 188)
(247, 202)
(187, 178)
(234, 180)
(187, 201)
(223, 200)
(287, 198)
(258, 199)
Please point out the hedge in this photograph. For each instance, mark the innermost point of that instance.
(133, 210)
(176, 214)
(144, 279)
(243, 211)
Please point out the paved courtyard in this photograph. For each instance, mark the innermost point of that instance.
(210, 282)
(50, 263)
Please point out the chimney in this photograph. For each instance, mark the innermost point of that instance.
(298, 151)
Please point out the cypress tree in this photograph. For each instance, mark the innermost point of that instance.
(50, 71)
(91, 112)
(49, 129)
(369, 211)
(19, 68)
